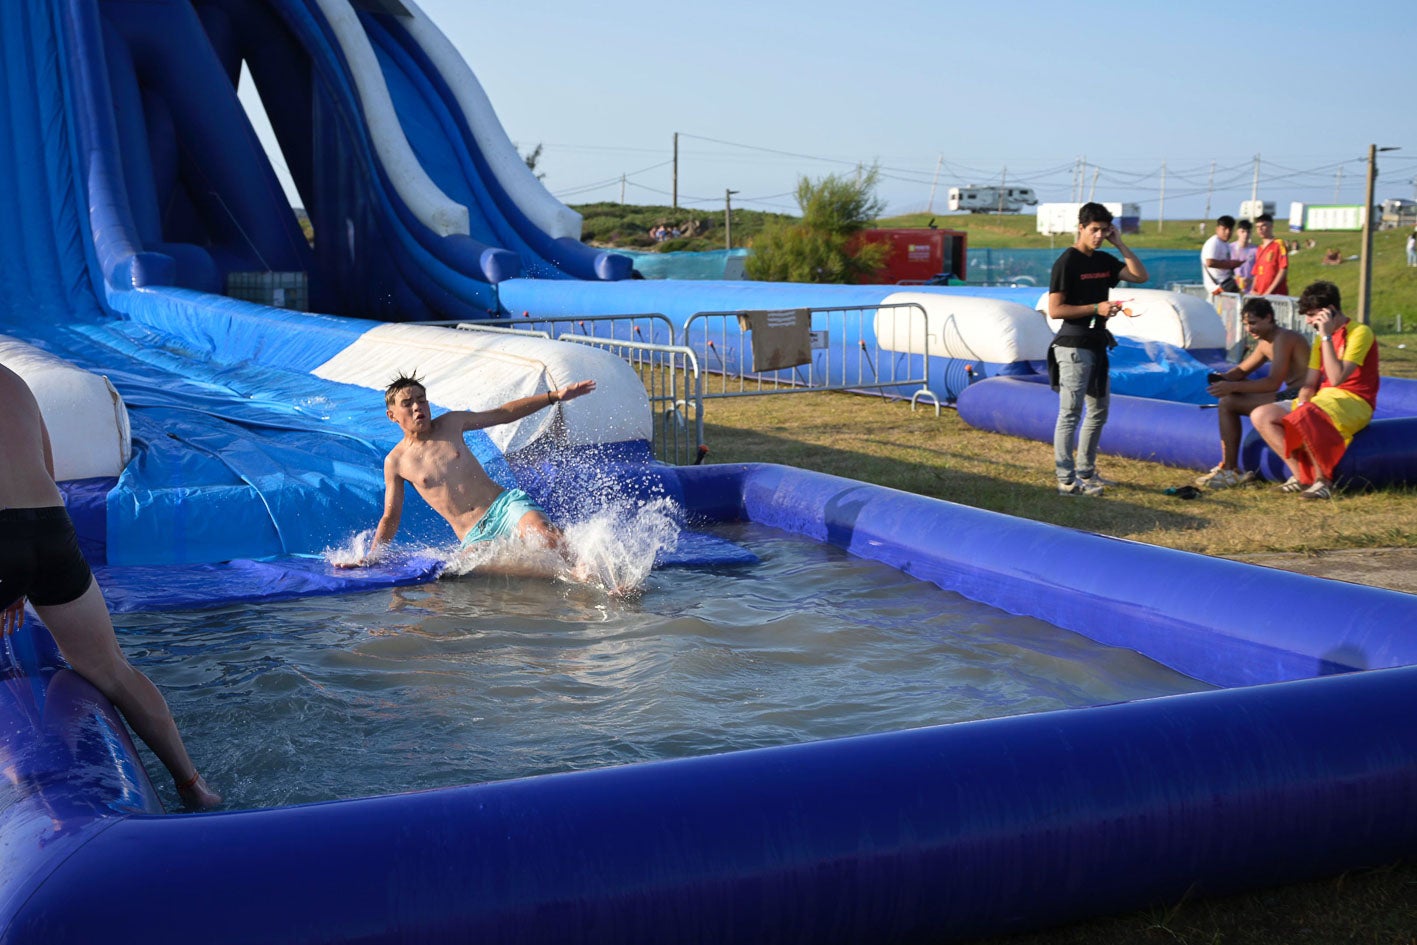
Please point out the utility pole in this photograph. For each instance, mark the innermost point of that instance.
(728, 217)
(1161, 212)
(1209, 187)
(1365, 272)
(1092, 194)
(1337, 182)
(622, 190)
(1255, 187)
(930, 207)
(676, 170)
(1003, 180)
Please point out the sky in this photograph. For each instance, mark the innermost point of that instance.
(1157, 103)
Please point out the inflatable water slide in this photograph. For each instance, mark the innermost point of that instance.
(210, 447)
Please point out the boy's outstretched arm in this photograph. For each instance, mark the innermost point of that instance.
(524, 407)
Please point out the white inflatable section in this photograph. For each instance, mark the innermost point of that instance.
(86, 418)
(474, 370)
(425, 199)
(1185, 321)
(510, 170)
(966, 327)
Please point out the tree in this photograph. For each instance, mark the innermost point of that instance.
(822, 246)
(532, 158)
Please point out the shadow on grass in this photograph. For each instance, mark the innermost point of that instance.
(1022, 486)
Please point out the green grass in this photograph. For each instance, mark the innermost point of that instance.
(627, 226)
(886, 443)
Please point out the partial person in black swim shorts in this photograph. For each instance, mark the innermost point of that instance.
(40, 558)
(40, 561)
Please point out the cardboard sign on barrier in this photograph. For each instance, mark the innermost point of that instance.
(781, 339)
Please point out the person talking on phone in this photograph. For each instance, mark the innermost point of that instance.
(1312, 432)
(1082, 279)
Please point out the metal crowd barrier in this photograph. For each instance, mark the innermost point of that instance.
(671, 377)
(669, 373)
(1228, 305)
(646, 327)
(846, 353)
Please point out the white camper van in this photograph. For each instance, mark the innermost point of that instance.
(991, 199)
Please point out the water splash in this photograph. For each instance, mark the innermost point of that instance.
(352, 553)
(616, 548)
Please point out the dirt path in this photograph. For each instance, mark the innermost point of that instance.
(1394, 568)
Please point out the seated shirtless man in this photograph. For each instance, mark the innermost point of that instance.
(434, 457)
(1287, 353)
(40, 560)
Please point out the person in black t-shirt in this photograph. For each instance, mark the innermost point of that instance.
(1077, 359)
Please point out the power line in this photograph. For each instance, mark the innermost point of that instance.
(1216, 178)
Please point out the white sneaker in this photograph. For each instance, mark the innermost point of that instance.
(1080, 487)
(1097, 478)
(1219, 478)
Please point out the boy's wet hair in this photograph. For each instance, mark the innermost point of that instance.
(400, 383)
(1225, 220)
(1093, 212)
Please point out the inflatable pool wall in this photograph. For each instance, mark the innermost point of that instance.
(1304, 768)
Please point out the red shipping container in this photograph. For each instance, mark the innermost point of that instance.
(918, 256)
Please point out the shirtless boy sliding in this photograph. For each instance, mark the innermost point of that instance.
(436, 460)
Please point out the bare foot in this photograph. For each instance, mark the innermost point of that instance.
(197, 796)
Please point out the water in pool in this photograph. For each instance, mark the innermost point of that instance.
(481, 678)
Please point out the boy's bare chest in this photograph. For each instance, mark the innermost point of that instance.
(433, 464)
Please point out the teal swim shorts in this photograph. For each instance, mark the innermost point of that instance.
(501, 517)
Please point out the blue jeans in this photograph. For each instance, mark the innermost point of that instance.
(1074, 369)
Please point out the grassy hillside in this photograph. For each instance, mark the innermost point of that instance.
(626, 226)
(1394, 290)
